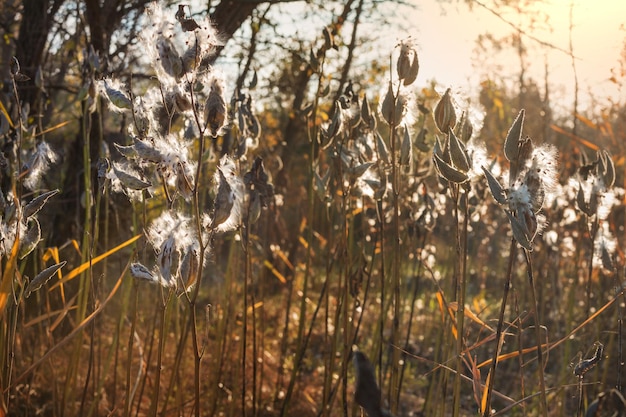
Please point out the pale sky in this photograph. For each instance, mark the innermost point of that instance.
(446, 33)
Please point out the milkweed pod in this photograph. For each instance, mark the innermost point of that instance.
(117, 98)
(366, 114)
(514, 135)
(140, 272)
(458, 152)
(42, 278)
(406, 149)
(407, 65)
(37, 203)
(215, 109)
(445, 114)
(32, 238)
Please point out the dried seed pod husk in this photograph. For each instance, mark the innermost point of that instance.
(32, 238)
(314, 61)
(328, 39)
(406, 149)
(171, 62)
(14, 66)
(336, 123)
(528, 220)
(536, 190)
(183, 103)
(581, 202)
(445, 114)
(140, 272)
(383, 153)
(608, 173)
(458, 153)
(449, 172)
(389, 105)
(215, 109)
(254, 208)
(522, 161)
(117, 97)
(494, 186)
(130, 181)
(189, 266)
(183, 185)
(420, 141)
(126, 151)
(258, 180)
(359, 170)
(407, 65)
(519, 232)
(366, 114)
(511, 143)
(37, 203)
(320, 186)
(147, 151)
(224, 201)
(466, 130)
(165, 261)
(254, 81)
(42, 278)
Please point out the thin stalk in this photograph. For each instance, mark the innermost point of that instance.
(520, 350)
(461, 287)
(129, 357)
(593, 231)
(244, 338)
(394, 385)
(383, 278)
(164, 315)
(494, 363)
(152, 333)
(542, 382)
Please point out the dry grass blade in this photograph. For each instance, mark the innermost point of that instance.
(8, 274)
(82, 268)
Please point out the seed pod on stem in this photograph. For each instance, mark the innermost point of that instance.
(445, 115)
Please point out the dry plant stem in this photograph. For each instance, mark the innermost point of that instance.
(203, 245)
(129, 357)
(394, 386)
(7, 337)
(540, 364)
(494, 363)
(383, 278)
(150, 343)
(593, 231)
(164, 309)
(461, 282)
(346, 238)
(580, 410)
(244, 341)
(620, 358)
(520, 349)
